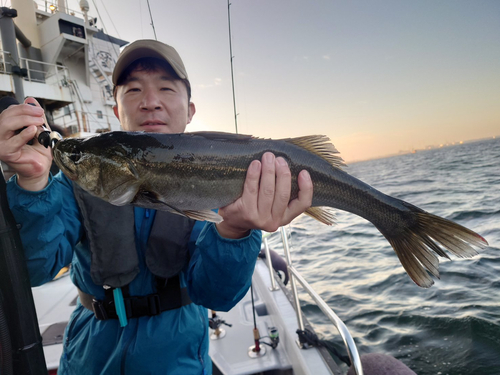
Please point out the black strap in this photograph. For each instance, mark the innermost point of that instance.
(169, 296)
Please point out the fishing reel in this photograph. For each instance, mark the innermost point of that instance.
(215, 323)
(274, 336)
(44, 135)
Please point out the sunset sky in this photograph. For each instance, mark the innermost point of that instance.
(377, 77)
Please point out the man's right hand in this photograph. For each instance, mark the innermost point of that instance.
(30, 162)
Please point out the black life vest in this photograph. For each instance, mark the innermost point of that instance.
(110, 231)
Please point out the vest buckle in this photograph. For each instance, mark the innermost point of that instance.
(154, 304)
(99, 310)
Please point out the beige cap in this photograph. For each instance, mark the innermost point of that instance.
(148, 48)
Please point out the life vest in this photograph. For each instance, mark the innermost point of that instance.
(110, 231)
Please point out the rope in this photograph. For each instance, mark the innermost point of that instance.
(309, 337)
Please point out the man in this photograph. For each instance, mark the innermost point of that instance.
(165, 269)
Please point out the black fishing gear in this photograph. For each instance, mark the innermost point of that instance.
(215, 322)
(18, 321)
(44, 135)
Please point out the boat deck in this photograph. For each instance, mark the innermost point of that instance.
(231, 353)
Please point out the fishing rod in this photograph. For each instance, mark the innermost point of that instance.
(152, 22)
(231, 60)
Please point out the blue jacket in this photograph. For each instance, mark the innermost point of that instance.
(174, 342)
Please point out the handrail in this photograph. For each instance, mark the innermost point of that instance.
(3, 60)
(270, 265)
(59, 70)
(349, 343)
(47, 3)
(295, 294)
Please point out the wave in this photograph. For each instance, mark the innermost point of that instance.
(468, 215)
(452, 327)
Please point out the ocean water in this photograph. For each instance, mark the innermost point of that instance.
(451, 328)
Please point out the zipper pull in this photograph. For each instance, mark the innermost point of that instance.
(119, 305)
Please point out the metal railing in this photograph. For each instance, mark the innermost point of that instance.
(37, 71)
(51, 73)
(52, 7)
(294, 275)
(5, 59)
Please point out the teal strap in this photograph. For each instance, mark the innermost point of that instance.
(120, 306)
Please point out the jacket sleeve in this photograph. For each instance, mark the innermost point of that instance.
(220, 270)
(49, 226)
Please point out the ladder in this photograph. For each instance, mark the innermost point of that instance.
(102, 79)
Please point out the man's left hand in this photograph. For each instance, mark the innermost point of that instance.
(265, 203)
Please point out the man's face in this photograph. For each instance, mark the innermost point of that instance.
(153, 101)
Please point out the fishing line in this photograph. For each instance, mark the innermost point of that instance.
(99, 14)
(111, 19)
(140, 17)
(152, 22)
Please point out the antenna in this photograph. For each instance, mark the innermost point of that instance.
(232, 71)
(152, 22)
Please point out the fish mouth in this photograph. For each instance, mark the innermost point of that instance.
(70, 173)
(64, 164)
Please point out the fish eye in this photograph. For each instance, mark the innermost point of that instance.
(75, 156)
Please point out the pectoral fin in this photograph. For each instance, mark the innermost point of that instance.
(205, 215)
(159, 204)
(124, 194)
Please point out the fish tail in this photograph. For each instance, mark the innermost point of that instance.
(417, 246)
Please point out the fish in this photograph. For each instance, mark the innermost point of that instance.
(192, 174)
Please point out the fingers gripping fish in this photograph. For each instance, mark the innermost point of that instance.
(193, 173)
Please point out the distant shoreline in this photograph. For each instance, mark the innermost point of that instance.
(430, 148)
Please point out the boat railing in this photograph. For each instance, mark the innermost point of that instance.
(39, 71)
(35, 70)
(5, 59)
(51, 7)
(295, 276)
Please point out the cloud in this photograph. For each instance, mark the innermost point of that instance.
(217, 82)
(326, 57)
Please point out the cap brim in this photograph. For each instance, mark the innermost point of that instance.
(148, 48)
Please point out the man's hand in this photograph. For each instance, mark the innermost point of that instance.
(31, 163)
(265, 201)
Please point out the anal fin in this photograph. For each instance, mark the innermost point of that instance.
(322, 214)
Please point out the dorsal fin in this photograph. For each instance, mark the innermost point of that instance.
(319, 145)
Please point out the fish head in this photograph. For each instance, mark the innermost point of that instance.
(101, 168)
